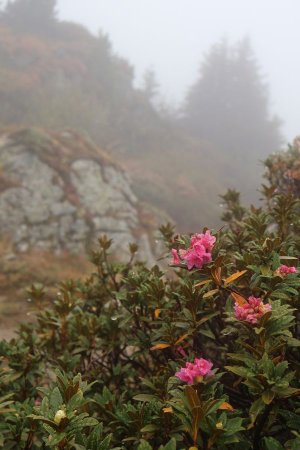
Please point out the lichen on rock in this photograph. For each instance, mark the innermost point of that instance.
(59, 192)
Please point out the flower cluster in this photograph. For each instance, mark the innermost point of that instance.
(251, 311)
(285, 270)
(199, 252)
(194, 371)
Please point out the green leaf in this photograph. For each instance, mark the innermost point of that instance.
(293, 342)
(233, 426)
(94, 439)
(88, 422)
(206, 332)
(105, 444)
(256, 408)
(272, 444)
(75, 401)
(55, 399)
(207, 317)
(240, 371)
(143, 445)
(43, 419)
(295, 444)
(171, 445)
(279, 294)
(281, 368)
(149, 428)
(144, 397)
(268, 396)
(290, 290)
(57, 438)
(245, 358)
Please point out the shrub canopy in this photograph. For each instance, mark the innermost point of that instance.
(203, 356)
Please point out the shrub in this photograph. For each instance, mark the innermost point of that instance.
(205, 356)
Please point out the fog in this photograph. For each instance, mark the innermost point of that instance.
(221, 79)
(172, 36)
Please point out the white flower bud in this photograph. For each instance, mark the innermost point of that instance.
(59, 416)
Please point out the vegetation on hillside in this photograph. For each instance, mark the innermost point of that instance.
(205, 357)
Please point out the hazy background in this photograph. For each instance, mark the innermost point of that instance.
(171, 36)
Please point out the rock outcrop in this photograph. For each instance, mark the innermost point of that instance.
(58, 191)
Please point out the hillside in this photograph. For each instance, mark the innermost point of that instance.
(73, 79)
(59, 192)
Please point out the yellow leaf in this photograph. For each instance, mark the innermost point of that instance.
(168, 410)
(160, 346)
(157, 313)
(234, 276)
(226, 406)
(202, 283)
(219, 426)
(182, 338)
(216, 274)
(210, 293)
(239, 299)
(288, 257)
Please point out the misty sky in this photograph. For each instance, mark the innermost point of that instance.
(172, 36)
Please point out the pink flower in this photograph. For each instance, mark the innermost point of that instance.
(203, 365)
(176, 259)
(199, 368)
(205, 239)
(285, 270)
(196, 256)
(198, 253)
(251, 311)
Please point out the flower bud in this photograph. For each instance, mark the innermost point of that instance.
(59, 416)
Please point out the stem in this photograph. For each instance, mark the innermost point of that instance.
(260, 426)
(29, 442)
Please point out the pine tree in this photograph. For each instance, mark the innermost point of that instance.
(150, 84)
(229, 104)
(34, 16)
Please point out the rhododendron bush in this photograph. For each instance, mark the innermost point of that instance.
(203, 354)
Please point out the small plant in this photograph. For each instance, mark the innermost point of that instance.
(63, 414)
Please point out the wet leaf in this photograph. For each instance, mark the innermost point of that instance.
(234, 277)
(160, 346)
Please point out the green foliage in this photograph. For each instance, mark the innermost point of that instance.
(283, 172)
(97, 369)
(62, 413)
